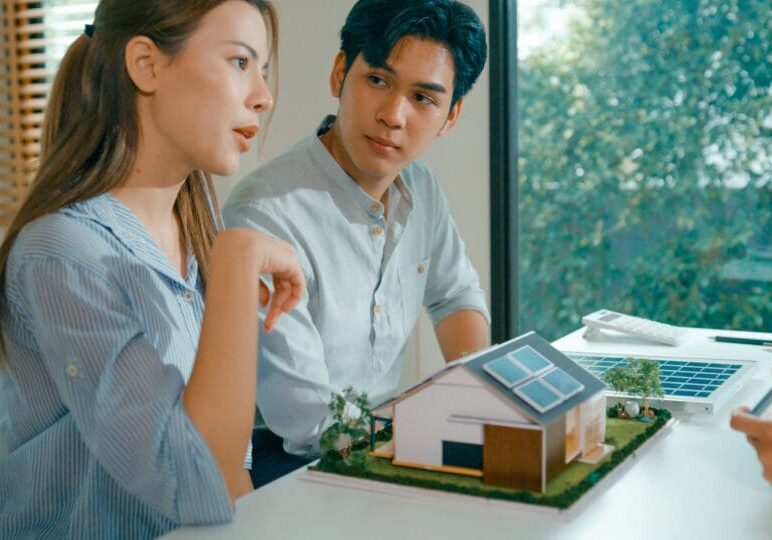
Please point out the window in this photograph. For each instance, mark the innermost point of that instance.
(33, 38)
(466, 455)
(643, 163)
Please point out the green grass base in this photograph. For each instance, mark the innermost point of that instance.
(562, 491)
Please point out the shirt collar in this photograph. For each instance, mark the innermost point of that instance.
(109, 213)
(324, 160)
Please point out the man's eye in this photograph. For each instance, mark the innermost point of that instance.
(376, 80)
(424, 99)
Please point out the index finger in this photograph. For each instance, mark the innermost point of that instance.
(287, 294)
(288, 291)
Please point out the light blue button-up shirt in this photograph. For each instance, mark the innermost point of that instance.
(368, 280)
(101, 332)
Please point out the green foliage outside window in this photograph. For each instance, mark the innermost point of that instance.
(645, 166)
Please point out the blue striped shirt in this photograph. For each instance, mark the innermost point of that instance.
(101, 334)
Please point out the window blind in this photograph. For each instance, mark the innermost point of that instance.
(33, 38)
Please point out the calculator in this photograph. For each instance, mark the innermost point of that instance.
(633, 326)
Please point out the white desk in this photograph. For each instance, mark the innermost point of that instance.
(700, 481)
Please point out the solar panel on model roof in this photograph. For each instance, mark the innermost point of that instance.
(530, 359)
(562, 382)
(505, 371)
(538, 395)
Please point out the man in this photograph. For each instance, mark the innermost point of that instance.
(370, 224)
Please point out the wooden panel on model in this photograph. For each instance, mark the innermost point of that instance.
(463, 471)
(556, 448)
(512, 457)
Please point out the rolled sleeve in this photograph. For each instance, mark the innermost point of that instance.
(452, 284)
(124, 400)
(469, 299)
(199, 477)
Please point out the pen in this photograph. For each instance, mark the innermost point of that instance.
(762, 405)
(743, 341)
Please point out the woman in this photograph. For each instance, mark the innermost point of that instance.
(130, 405)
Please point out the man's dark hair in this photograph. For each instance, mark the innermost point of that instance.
(373, 28)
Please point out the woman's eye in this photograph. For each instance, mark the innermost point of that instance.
(242, 62)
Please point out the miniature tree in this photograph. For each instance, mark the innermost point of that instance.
(648, 383)
(338, 441)
(621, 379)
(638, 377)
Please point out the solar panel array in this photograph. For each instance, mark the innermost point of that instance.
(533, 378)
(679, 378)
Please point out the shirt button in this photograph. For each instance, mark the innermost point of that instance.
(378, 309)
(375, 208)
(377, 230)
(188, 296)
(421, 269)
(72, 370)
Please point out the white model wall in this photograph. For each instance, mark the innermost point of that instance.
(309, 39)
(593, 420)
(422, 420)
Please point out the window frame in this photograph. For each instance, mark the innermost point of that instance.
(503, 169)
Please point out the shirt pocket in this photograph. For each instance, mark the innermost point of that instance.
(412, 284)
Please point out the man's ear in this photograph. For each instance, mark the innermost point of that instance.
(338, 74)
(455, 112)
(143, 61)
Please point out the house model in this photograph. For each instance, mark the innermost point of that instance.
(516, 415)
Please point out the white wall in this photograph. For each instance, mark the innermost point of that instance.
(309, 39)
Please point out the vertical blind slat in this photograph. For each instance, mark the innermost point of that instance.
(33, 37)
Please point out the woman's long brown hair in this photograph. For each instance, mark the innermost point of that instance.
(91, 133)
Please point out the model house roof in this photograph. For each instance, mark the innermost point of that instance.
(536, 378)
